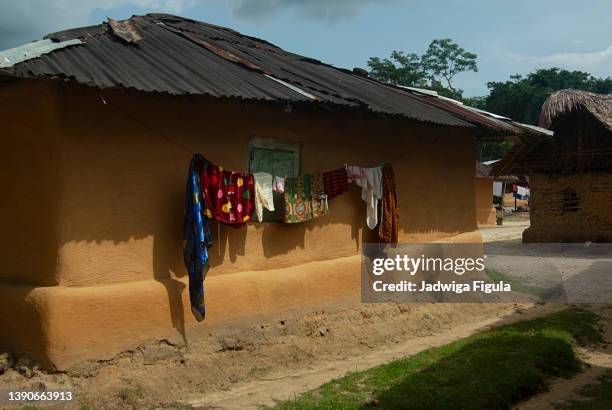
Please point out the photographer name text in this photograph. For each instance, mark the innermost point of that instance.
(424, 286)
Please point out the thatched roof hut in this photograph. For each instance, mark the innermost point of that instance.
(582, 141)
(570, 173)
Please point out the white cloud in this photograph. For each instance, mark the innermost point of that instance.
(27, 20)
(565, 59)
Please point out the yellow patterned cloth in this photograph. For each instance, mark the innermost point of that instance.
(319, 198)
(298, 207)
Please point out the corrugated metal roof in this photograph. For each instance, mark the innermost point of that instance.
(183, 56)
(12, 56)
(504, 125)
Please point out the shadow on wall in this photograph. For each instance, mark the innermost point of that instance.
(16, 337)
(229, 242)
(123, 183)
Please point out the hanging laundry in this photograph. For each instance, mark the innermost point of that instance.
(263, 194)
(319, 203)
(230, 196)
(356, 174)
(497, 188)
(388, 229)
(370, 181)
(278, 185)
(526, 193)
(335, 182)
(298, 205)
(521, 193)
(371, 194)
(196, 238)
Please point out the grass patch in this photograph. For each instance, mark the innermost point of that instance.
(492, 369)
(596, 396)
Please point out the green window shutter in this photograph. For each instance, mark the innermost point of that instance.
(277, 163)
(276, 157)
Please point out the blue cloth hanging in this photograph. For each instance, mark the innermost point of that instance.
(197, 238)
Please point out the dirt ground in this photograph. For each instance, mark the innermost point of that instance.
(262, 363)
(277, 360)
(597, 362)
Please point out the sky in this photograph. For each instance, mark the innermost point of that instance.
(509, 36)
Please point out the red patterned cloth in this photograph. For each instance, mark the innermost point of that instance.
(335, 182)
(229, 196)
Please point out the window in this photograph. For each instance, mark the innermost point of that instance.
(570, 200)
(279, 158)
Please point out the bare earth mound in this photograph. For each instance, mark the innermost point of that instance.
(169, 372)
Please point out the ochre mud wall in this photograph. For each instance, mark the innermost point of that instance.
(112, 231)
(30, 148)
(570, 208)
(485, 212)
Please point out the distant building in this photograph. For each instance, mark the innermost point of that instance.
(570, 173)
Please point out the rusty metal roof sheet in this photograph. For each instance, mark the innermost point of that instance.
(504, 125)
(164, 53)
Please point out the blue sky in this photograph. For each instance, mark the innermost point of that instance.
(509, 36)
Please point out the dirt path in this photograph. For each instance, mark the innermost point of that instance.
(277, 359)
(597, 360)
(284, 385)
(512, 229)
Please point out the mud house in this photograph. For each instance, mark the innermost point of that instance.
(98, 126)
(570, 173)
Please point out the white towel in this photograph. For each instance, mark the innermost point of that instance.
(371, 194)
(497, 188)
(370, 181)
(263, 193)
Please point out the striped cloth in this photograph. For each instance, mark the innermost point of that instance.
(335, 182)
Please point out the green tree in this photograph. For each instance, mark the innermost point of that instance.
(400, 69)
(489, 150)
(476, 102)
(434, 70)
(521, 98)
(444, 59)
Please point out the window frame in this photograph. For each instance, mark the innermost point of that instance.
(275, 144)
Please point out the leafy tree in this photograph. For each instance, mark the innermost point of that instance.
(489, 150)
(445, 59)
(521, 98)
(437, 86)
(476, 102)
(433, 70)
(400, 69)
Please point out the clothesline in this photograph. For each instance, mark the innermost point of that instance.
(232, 197)
(520, 192)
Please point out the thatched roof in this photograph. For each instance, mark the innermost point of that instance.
(566, 101)
(577, 146)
